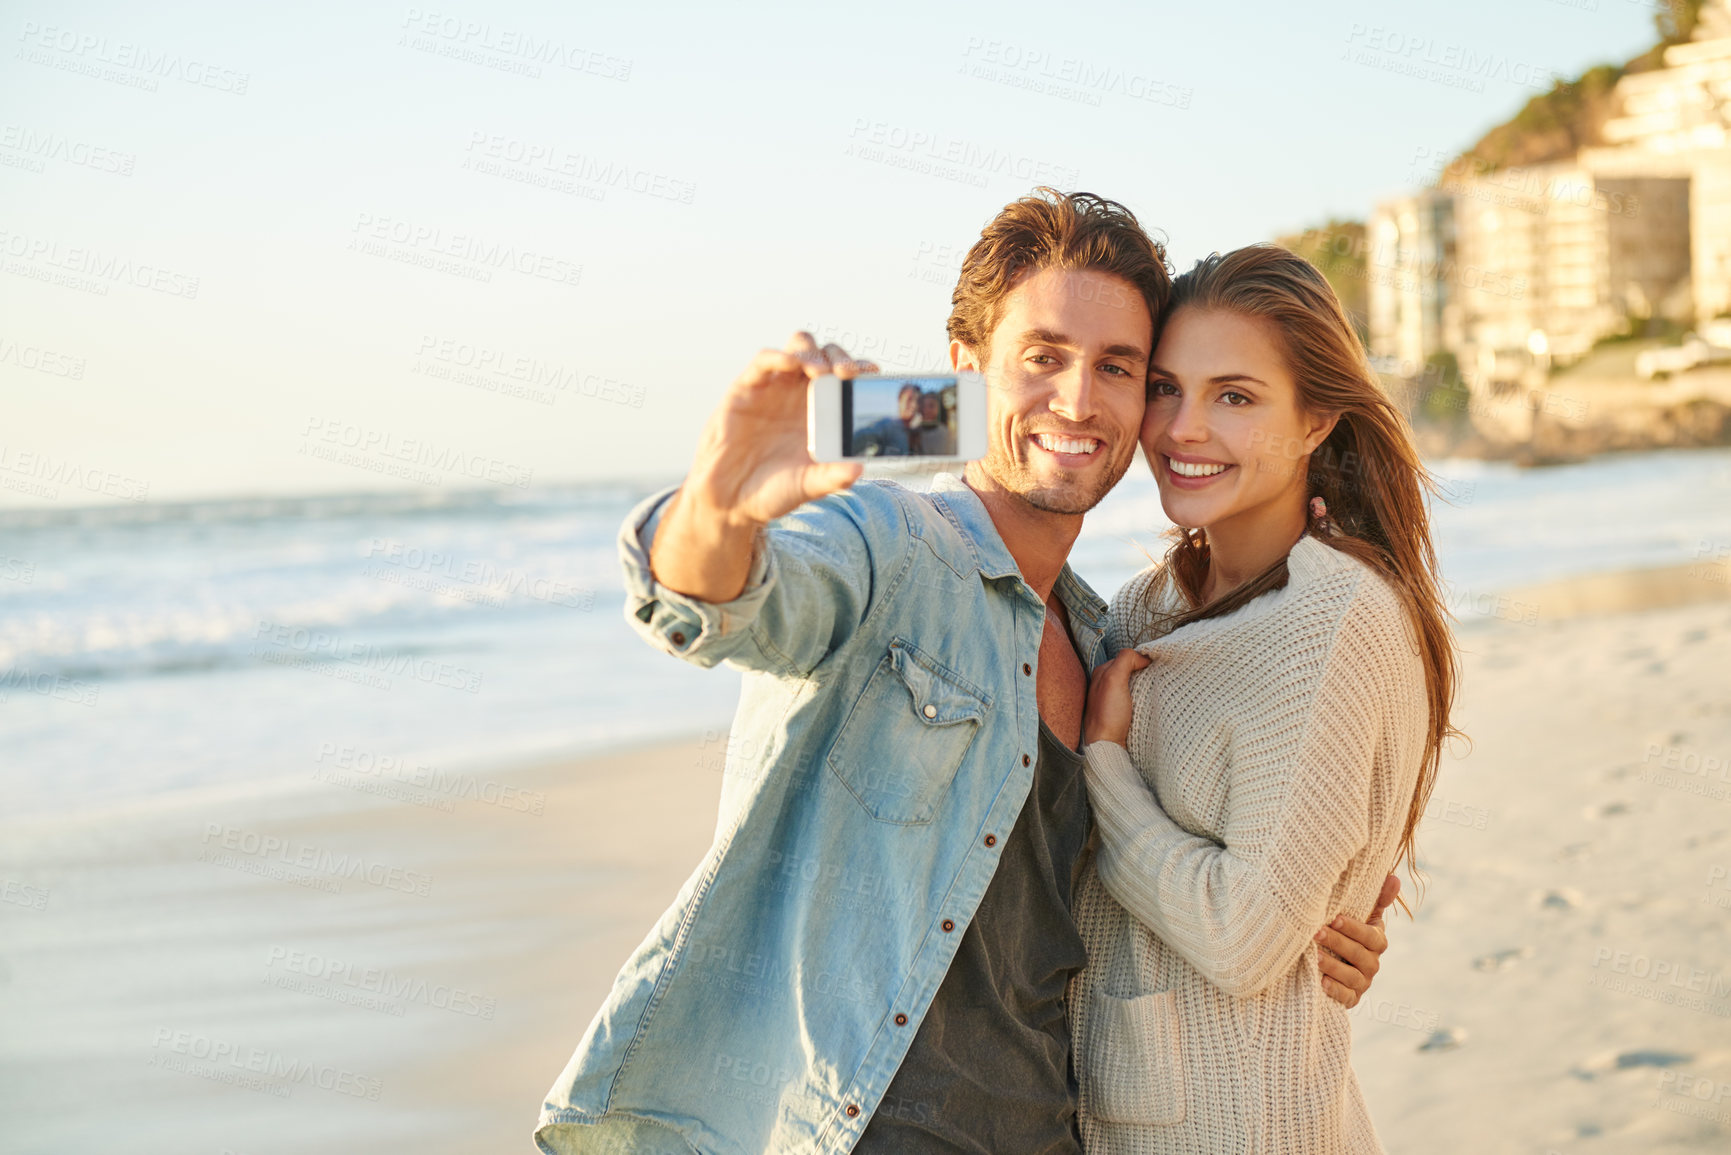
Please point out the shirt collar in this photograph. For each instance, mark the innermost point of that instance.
(963, 507)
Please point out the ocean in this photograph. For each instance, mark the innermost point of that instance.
(148, 651)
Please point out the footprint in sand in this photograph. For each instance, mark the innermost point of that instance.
(1502, 960)
(1446, 1039)
(1626, 1060)
(1575, 852)
(1605, 810)
(1650, 1059)
(1562, 898)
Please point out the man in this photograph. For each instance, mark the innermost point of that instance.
(873, 954)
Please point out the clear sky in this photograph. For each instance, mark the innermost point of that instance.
(325, 247)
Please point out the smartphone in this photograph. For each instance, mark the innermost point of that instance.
(919, 417)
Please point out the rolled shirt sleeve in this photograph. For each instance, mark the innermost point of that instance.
(671, 621)
(808, 588)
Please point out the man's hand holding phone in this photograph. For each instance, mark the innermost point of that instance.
(1351, 951)
(752, 466)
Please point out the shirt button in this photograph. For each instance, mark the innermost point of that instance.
(948, 926)
(1025, 759)
(930, 711)
(1027, 669)
(678, 638)
(901, 1020)
(991, 840)
(853, 1110)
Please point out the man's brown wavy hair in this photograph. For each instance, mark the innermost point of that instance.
(1052, 230)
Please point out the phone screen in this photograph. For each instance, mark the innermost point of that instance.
(899, 417)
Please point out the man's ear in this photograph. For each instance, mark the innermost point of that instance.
(962, 358)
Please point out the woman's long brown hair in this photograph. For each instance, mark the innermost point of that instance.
(1368, 472)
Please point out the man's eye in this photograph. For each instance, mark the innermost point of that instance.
(1039, 358)
(1118, 369)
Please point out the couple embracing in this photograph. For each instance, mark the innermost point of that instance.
(999, 868)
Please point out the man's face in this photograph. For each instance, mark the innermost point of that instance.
(908, 404)
(1066, 375)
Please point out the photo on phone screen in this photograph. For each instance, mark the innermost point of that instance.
(899, 417)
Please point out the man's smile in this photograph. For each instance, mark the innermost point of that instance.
(1068, 450)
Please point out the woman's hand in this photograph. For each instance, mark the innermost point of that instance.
(1107, 718)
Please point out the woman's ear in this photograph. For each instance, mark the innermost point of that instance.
(1317, 431)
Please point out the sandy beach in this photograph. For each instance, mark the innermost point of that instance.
(329, 969)
(356, 962)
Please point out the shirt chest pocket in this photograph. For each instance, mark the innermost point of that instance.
(906, 736)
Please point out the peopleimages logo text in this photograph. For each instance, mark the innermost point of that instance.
(306, 856)
(91, 49)
(379, 981)
(314, 646)
(430, 240)
(256, 1061)
(102, 266)
(385, 444)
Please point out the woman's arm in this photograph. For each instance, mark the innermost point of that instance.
(1298, 811)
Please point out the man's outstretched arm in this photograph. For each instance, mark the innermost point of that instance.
(1351, 951)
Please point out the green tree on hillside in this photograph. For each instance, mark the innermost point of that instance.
(1555, 125)
(1339, 249)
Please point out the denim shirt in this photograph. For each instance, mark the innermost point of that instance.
(883, 748)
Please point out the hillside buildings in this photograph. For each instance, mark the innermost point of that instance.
(1526, 268)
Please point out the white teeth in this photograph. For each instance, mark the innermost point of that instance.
(1054, 444)
(1188, 469)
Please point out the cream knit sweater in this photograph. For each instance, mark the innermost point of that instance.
(1271, 763)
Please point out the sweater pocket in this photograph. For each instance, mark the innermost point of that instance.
(1135, 1070)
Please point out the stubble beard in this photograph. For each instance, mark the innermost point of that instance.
(1070, 499)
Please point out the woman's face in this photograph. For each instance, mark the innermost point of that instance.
(1223, 430)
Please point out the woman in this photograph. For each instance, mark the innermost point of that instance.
(1269, 763)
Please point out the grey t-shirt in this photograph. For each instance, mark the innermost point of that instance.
(989, 1070)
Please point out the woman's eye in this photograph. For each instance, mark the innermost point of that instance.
(1165, 389)
(1230, 394)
